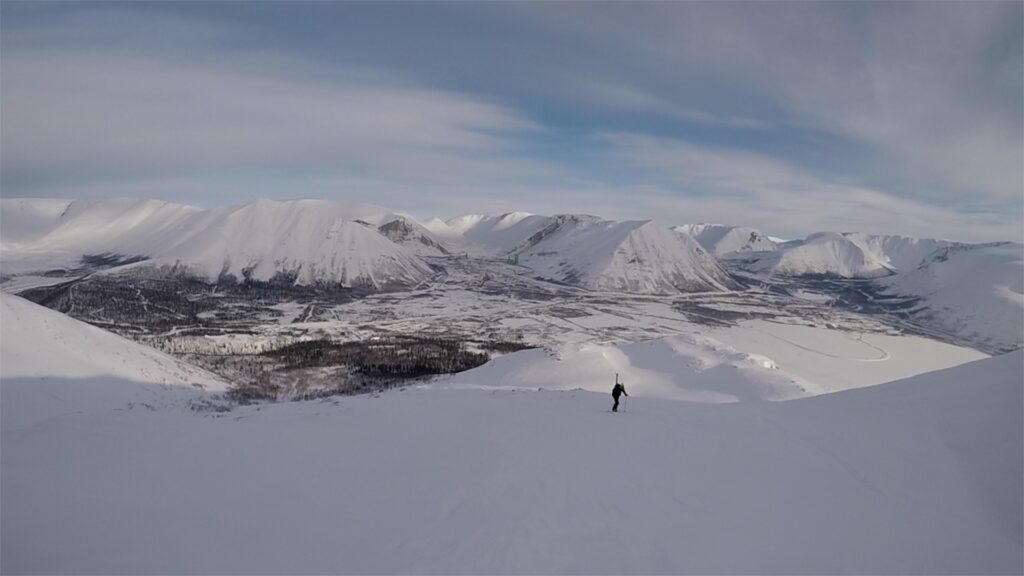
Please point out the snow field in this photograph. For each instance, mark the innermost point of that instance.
(755, 360)
(920, 476)
(107, 468)
(53, 365)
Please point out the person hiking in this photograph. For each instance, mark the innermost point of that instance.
(618, 390)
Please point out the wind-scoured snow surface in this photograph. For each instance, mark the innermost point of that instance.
(975, 292)
(310, 240)
(724, 240)
(54, 365)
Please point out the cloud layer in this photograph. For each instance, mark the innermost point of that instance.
(901, 118)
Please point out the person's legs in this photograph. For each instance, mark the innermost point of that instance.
(615, 407)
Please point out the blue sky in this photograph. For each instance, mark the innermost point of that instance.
(791, 117)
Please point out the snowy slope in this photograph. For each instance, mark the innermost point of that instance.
(439, 228)
(901, 253)
(722, 240)
(414, 236)
(919, 476)
(28, 219)
(316, 241)
(848, 255)
(500, 233)
(312, 240)
(636, 256)
(824, 253)
(755, 360)
(123, 226)
(973, 291)
(52, 364)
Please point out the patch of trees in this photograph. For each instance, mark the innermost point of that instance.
(391, 356)
(319, 368)
(505, 346)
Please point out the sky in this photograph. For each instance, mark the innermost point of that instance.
(792, 117)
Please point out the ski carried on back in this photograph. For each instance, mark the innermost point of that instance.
(618, 390)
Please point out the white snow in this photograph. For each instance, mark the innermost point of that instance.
(498, 234)
(825, 253)
(27, 219)
(849, 255)
(53, 365)
(975, 292)
(577, 249)
(723, 240)
(756, 360)
(439, 228)
(901, 253)
(916, 476)
(318, 241)
(314, 240)
(633, 256)
(820, 441)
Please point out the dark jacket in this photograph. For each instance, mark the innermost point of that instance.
(617, 390)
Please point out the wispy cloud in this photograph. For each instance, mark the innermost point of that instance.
(625, 97)
(112, 116)
(888, 117)
(928, 92)
(688, 184)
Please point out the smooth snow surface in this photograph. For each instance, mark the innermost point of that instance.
(755, 360)
(501, 233)
(917, 476)
(54, 365)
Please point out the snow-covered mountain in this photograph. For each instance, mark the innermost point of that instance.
(121, 226)
(847, 255)
(723, 240)
(900, 253)
(313, 241)
(52, 364)
(633, 256)
(307, 241)
(825, 253)
(500, 233)
(586, 251)
(439, 228)
(973, 291)
(408, 232)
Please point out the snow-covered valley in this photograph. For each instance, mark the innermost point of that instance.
(847, 403)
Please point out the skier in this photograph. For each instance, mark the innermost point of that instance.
(617, 391)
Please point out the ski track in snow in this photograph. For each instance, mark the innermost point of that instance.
(860, 338)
